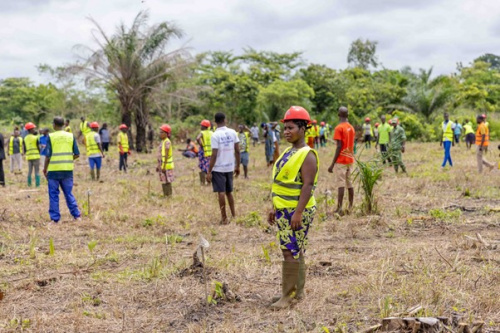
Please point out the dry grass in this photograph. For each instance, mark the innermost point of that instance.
(115, 271)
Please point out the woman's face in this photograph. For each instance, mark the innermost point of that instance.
(163, 135)
(292, 132)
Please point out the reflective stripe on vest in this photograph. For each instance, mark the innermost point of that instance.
(31, 143)
(286, 189)
(123, 139)
(62, 151)
(448, 133)
(91, 144)
(11, 145)
(207, 143)
(166, 163)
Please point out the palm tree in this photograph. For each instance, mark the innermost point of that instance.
(134, 63)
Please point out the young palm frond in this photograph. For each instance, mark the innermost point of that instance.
(368, 174)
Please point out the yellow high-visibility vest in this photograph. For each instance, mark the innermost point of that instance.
(61, 159)
(11, 145)
(448, 132)
(84, 128)
(247, 140)
(31, 142)
(68, 129)
(123, 140)
(167, 162)
(286, 183)
(91, 144)
(207, 142)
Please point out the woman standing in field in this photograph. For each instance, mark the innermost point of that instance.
(295, 175)
(165, 166)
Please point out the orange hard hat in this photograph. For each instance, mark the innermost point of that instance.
(367, 119)
(322, 123)
(377, 124)
(94, 124)
(123, 126)
(205, 123)
(29, 126)
(166, 128)
(296, 113)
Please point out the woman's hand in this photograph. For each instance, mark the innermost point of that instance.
(296, 222)
(271, 217)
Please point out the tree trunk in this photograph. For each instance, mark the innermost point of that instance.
(141, 122)
(127, 120)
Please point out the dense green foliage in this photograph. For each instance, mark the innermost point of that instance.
(130, 78)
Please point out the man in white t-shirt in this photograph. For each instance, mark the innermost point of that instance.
(255, 134)
(224, 162)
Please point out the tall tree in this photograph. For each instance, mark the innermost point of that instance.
(363, 54)
(491, 59)
(134, 63)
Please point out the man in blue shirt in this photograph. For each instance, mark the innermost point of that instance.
(60, 178)
(457, 132)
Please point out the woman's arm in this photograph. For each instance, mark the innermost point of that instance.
(308, 173)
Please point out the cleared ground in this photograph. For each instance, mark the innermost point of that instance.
(127, 266)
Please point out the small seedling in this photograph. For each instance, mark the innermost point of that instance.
(51, 247)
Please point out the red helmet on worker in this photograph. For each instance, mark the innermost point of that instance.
(377, 124)
(205, 123)
(166, 128)
(322, 123)
(94, 124)
(123, 126)
(29, 126)
(296, 113)
(367, 119)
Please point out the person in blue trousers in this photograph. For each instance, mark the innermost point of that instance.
(448, 128)
(61, 151)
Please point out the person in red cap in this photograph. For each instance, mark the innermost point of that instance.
(368, 133)
(123, 147)
(344, 135)
(32, 149)
(295, 176)
(323, 131)
(204, 140)
(95, 152)
(165, 166)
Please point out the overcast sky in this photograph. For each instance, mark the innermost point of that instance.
(419, 33)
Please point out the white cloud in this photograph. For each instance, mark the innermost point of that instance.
(416, 33)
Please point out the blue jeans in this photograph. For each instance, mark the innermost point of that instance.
(95, 162)
(447, 155)
(66, 186)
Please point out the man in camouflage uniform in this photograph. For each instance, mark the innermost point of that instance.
(397, 148)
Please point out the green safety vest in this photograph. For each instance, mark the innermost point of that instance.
(448, 133)
(166, 163)
(123, 139)
(286, 187)
(84, 128)
(207, 142)
(91, 144)
(247, 140)
(62, 151)
(31, 143)
(11, 145)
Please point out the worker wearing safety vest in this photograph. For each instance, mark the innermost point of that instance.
(448, 128)
(295, 176)
(470, 137)
(482, 142)
(16, 151)
(368, 133)
(204, 139)
(67, 127)
(487, 124)
(84, 128)
(244, 138)
(95, 153)
(32, 149)
(315, 132)
(165, 166)
(123, 147)
(61, 151)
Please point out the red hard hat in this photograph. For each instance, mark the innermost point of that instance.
(205, 123)
(322, 123)
(94, 124)
(377, 124)
(166, 128)
(296, 113)
(123, 126)
(29, 126)
(367, 119)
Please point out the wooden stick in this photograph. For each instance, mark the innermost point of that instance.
(204, 275)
